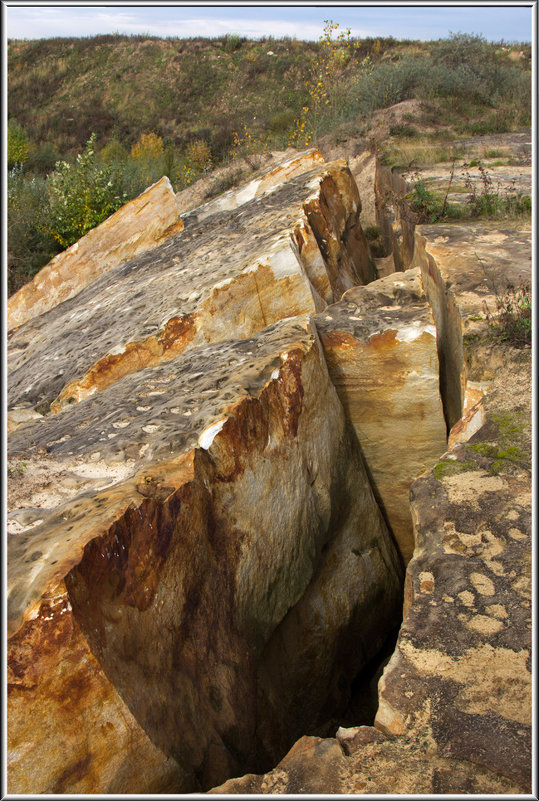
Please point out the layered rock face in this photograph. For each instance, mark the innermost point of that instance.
(288, 252)
(193, 541)
(380, 346)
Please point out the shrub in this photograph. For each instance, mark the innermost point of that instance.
(426, 205)
(82, 196)
(112, 152)
(30, 247)
(199, 154)
(512, 321)
(149, 146)
(492, 202)
(233, 42)
(41, 159)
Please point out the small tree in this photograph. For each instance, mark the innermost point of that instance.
(82, 196)
(327, 87)
(147, 163)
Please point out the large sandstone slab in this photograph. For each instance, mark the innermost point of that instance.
(380, 346)
(455, 699)
(175, 597)
(296, 165)
(138, 226)
(286, 253)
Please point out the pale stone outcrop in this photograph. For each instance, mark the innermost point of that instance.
(283, 254)
(462, 269)
(197, 563)
(172, 555)
(455, 700)
(394, 219)
(138, 226)
(380, 346)
(186, 404)
(296, 165)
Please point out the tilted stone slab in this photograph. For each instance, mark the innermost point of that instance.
(462, 268)
(455, 700)
(286, 253)
(228, 489)
(298, 164)
(380, 346)
(138, 226)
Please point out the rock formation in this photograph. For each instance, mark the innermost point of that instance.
(455, 703)
(160, 449)
(209, 459)
(380, 346)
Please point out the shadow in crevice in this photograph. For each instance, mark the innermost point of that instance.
(363, 704)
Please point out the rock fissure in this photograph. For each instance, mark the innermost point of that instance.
(220, 550)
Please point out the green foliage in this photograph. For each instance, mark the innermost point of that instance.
(233, 42)
(424, 203)
(17, 144)
(490, 201)
(372, 232)
(512, 321)
(82, 195)
(453, 467)
(30, 247)
(41, 159)
(113, 152)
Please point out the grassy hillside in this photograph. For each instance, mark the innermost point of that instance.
(181, 107)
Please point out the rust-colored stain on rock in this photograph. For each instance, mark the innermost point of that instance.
(384, 341)
(338, 340)
(169, 343)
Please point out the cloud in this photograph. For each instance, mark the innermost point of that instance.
(307, 22)
(42, 22)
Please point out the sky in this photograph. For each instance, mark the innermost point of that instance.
(508, 21)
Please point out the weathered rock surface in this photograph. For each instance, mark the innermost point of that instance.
(380, 346)
(298, 164)
(461, 673)
(138, 568)
(462, 268)
(198, 565)
(173, 555)
(135, 228)
(455, 700)
(285, 253)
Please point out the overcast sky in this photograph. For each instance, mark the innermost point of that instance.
(511, 22)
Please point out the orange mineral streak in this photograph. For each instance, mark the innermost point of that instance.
(169, 343)
(51, 668)
(384, 341)
(338, 340)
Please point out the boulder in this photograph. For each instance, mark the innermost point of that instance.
(455, 699)
(193, 535)
(172, 555)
